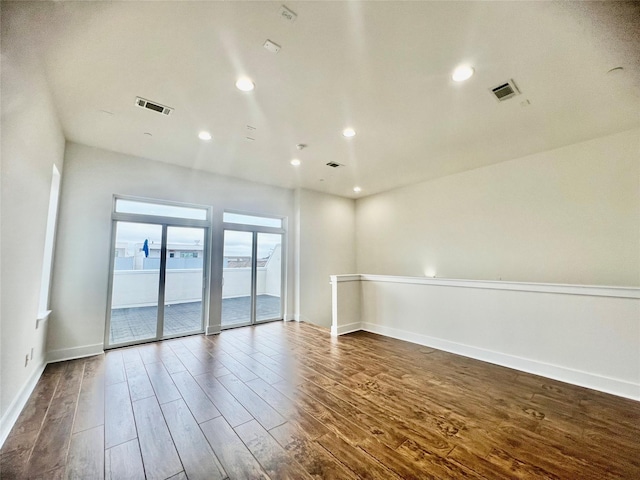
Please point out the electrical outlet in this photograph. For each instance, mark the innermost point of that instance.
(26, 360)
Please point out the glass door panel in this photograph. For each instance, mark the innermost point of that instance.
(136, 280)
(269, 277)
(183, 292)
(237, 280)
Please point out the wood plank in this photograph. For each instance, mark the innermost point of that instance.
(150, 352)
(169, 359)
(54, 474)
(180, 476)
(137, 378)
(194, 366)
(330, 419)
(256, 367)
(377, 427)
(130, 354)
(86, 455)
(484, 467)
(234, 366)
(198, 402)
(312, 457)
(273, 458)
(34, 411)
(90, 410)
(165, 390)
(231, 409)
(114, 367)
(201, 350)
(257, 407)
(286, 370)
(159, 454)
(13, 462)
(434, 463)
(355, 459)
(124, 462)
(279, 402)
(50, 450)
(236, 460)
(195, 453)
(119, 425)
(71, 379)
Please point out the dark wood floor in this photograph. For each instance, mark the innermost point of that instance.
(285, 400)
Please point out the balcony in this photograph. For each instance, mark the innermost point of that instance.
(134, 300)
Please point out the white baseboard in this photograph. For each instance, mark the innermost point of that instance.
(75, 352)
(13, 412)
(344, 329)
(584, 379)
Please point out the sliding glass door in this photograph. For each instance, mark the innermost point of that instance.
(237, 279)
(269, 277)
(136, 282)
(158, 273)
(183, 291)
(252, 270)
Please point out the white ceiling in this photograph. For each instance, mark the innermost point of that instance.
(383, 68)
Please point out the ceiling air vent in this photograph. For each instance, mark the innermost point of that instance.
(156, 107)
(505, 91)
(334, 165)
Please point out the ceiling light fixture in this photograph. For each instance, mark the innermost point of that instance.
(357, 189)
(245, 84)
(295, 162)
(462, 73)
(204, 136)
(348, 132)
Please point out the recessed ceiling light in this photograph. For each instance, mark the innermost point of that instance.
(204, 136)
(348, 132)
(245, 84)
(462, 73)
(295, 162)
(357, 189)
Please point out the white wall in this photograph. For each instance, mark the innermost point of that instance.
(570, 215)
(92, 176)
(326, 241)
(32, 142)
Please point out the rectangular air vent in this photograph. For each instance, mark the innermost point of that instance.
(334, 165)
(505, 91)
(156, 107)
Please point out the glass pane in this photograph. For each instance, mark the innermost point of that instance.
(236, 286)
(136, 277)
(269, 281)
(183, 284)
(159, 209)
(252, 220)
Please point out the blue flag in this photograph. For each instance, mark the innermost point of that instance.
(145, 248)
